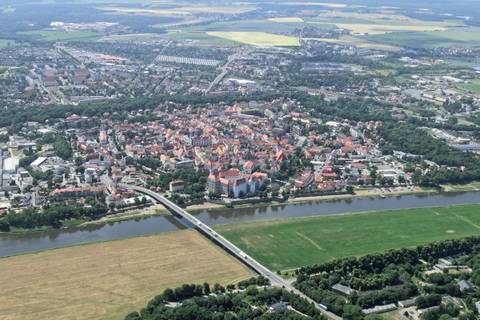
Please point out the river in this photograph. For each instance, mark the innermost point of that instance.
(12, 244)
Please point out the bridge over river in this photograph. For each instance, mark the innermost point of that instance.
(226, 245)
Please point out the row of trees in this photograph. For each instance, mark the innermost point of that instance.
(198, 303)
(52, 216)
(407, 137)
(389, 274)
(376, 263)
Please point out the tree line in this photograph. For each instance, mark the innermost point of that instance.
(200, 302)
(53, 216)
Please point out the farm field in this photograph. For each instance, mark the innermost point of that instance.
(380, 24)
(181, 10)
(259, 39)
(458, 37)
(253, 25)
(110, 279)
(287, 20)
(200, 38)
(360, 42)
(293, 243)
(473, 86)
(50, 35)
(5, 43)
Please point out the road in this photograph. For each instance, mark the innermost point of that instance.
(224, 72)
(217, 238)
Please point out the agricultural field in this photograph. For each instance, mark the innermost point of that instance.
(361, 42)
(181, 10)
(293, 243)
(53, 36)
(5, 43)
(473, 86)
(458, 37)
(287, 20)
(250, 25)
(379, 24)
(200, 38)
(259, 39)
(108, 280)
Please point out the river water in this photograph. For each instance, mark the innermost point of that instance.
(11, 244)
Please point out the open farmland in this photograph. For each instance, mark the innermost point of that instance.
(259, 39)
(473, 86)
(293, 243)
(200, 38)
(287, 20)
(181, 10)
(362, 28)
(50, 35)
(454, 37)
(378, 23)
(108, 280)
(5, 43)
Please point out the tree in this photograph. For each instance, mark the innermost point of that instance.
(350, 189)
(352, 312)
(206, 288)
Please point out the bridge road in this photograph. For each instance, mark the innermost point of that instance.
(227, 245)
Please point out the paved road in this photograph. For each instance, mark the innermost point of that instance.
(227, 245)
(224, 72)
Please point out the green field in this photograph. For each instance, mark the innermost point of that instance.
(200, 38)
(50, 35)
(459, 37)
(5, 43)
(473, 86)
(259, 39)
(287, 20)
(292, 243)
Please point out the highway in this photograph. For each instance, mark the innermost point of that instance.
(217, 238)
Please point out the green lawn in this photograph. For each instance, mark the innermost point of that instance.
(292, 243)
(50, 35)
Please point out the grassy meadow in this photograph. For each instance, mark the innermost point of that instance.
(291, 243)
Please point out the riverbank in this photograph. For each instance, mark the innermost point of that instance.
(158, 210)
(160, 222)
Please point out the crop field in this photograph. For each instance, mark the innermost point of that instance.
(380, 23)
(186, 10)
(50, 35)
(293, 243)
(108, 280)
(458, 37)
(5, 43)
(360, 42)
(250, 25)
(259, 39)
(372, 29)
(200, 38)
(287, 20)
(473, 86)
(330, 5)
